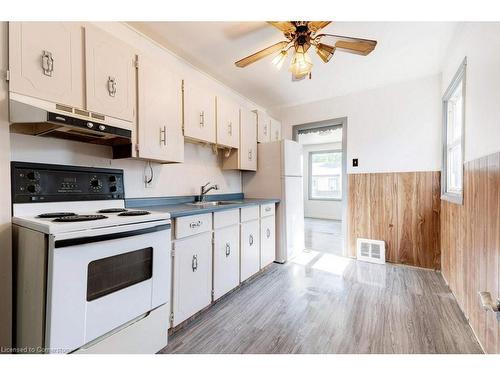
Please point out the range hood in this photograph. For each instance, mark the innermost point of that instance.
(66, 123)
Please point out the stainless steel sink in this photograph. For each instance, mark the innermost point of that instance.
(214, 203)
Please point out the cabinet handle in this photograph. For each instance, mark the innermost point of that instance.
(230, 128)
(202, 119)
(195, 224)
(47, 63)
(194, 263)
(250, 155)
(268, 232)
(228, 249)
(265, 129)
(163, 136)
(250, 239)
(112, 86)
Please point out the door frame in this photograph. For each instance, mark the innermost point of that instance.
(340, 122)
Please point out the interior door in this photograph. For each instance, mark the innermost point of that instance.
(110, 75)
(160, 112)
(46, 61)
(226, 260)
(248, 140)
(192, 276)
(199, 112)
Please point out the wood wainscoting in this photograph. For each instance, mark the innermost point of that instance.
(470, 245)
(401, 209)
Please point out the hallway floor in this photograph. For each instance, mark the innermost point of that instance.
(323, 235)
(322, 303)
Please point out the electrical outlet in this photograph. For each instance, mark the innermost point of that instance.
(355, 162)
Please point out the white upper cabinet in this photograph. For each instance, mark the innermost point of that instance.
(263, 127)
(245, 157)
(275, 130)
(199, 113)
(110, 75)
(228, 120)
(46, 61)
(159, 123)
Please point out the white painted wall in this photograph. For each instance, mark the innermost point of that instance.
(5, 214)
(315, 208)
(396, 128)
(479, 43)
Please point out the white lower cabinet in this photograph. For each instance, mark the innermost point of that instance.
(267, 241)
(226, 260)
(192, 275)
(250, 252)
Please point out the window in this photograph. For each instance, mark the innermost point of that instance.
(325, 175)
(453, 138)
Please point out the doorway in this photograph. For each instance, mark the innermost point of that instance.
(325, 184)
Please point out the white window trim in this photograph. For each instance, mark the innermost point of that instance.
(310, 175)
(459, 78)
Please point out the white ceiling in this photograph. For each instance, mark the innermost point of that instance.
(405, 50)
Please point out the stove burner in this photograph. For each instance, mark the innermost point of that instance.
(51, 215)
(112, 210)
(68, 219)
(134, 213)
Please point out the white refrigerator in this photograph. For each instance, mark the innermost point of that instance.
(279, 176)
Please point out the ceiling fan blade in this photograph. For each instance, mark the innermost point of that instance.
(315, 26)
(357, 46)
(325, 51)
(283, 26)
(260, 54)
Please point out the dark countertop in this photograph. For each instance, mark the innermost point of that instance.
(184, 209)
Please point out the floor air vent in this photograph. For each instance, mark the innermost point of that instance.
(370, 250)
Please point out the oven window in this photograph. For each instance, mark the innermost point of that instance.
(108, 275)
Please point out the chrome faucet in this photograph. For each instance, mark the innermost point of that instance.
(204, 190)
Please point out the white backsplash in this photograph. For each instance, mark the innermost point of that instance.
(200, 166)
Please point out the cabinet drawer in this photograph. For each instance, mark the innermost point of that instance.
(267, 210)
(226, 218)
(249, 213)
(190, 225)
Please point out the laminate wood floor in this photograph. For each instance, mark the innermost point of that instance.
(323, 235)
(322, 303)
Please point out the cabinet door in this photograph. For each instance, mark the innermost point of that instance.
(267, 241)
(192, 287)
(226, 260)
(248, 140)
(159, 125)
(275, 130)
(199, 113)
(228, 122)
(263, 127)
(110, 75)
(46, 61)
(250, 253)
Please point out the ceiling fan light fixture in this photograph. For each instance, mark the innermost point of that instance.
(325, 51)
(279, 59)
(301, 65)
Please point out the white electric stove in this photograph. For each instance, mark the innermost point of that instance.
(90, 275)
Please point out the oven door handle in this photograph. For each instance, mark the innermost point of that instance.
(107, 237)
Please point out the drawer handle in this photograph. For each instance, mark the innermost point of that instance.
(202, 119)
(47, 63)
(228, 249)
(194, 263)
(112, 86)
(250, 239)
(195, 224)
(268, 232)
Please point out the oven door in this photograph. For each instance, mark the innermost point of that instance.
(104, 279)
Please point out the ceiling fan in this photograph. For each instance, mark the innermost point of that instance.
(301, 35)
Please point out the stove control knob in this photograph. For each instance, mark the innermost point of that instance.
(95, 183)
(90, 125)
(112, 188)
(34, 188)
(102, 127)
(112, 178)
(33, 175)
